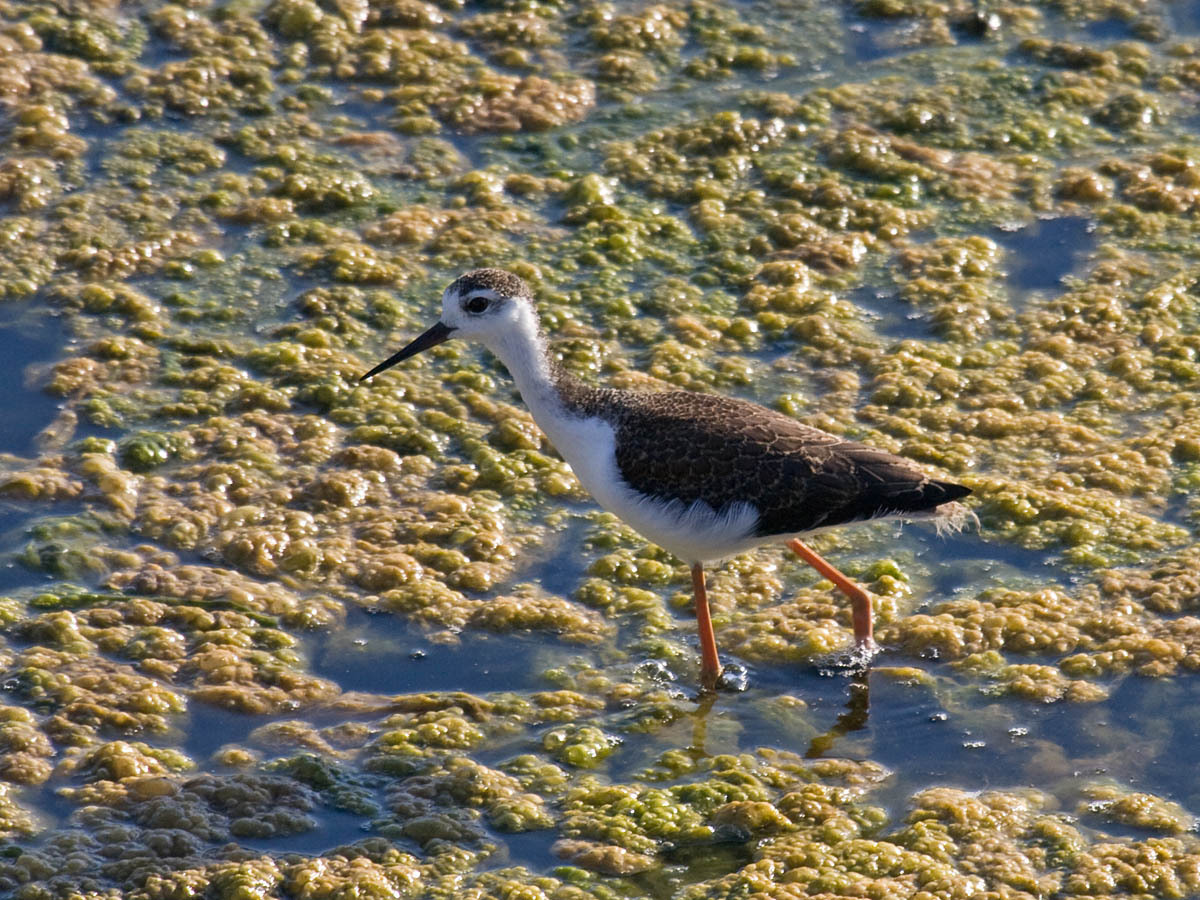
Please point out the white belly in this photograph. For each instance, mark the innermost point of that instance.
(693, 532)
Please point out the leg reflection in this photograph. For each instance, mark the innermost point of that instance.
(704, 705)
(858, 710)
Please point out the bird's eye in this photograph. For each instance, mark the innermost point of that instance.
(477, 304)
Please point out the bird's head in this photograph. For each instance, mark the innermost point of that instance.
(491, 306)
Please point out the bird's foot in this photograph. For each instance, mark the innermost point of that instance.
(732, 678)
(851, 661)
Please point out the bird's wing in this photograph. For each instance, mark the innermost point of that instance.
(722, 451)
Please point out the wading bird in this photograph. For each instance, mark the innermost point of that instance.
(703, 476)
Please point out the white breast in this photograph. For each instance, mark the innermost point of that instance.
(694, 532)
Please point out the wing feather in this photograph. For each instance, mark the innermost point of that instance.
(720, 450)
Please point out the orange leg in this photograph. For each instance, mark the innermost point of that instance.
(710, 664)
(860, 600)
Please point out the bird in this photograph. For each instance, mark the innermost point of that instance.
(704, 476)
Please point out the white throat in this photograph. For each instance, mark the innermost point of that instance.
(524, 353)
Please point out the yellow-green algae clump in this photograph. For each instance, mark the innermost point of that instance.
(228, 212)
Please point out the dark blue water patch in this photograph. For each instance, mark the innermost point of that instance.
(385, 654)
(1044, 252)
(854, 710)
(1185, 17)
(100, 137)
(1160, 717)
(962, 737)
(969, 561)
(972, 748)
(335, 829)
(1178, 511)
(904, 725)
(868, 40)
(1110, 30)
(12, 575)
(530, 849)
(29, 336)
(209, 728)
(560, 564)
(890, 317)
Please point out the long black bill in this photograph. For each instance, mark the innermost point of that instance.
(438, 334)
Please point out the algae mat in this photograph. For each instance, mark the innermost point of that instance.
(266, 632)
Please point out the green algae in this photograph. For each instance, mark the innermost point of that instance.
(236, 209)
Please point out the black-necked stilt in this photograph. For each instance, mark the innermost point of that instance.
(703, 476)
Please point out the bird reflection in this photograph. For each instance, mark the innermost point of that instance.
(858, 710)
(855, 717)
(704, 705)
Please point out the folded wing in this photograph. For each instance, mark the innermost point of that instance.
(688, 447)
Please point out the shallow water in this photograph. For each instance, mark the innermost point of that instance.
(259, 621)
(1048, 250)
(32, 340)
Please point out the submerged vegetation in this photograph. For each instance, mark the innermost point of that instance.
(963, 233)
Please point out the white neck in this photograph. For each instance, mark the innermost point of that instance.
(524, 353)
